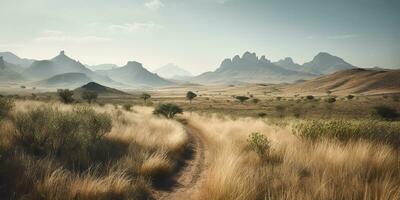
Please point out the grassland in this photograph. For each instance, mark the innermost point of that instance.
(305, 147)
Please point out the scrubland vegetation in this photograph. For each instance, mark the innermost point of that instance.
(56, 151)
(303, 148)
(342, 163)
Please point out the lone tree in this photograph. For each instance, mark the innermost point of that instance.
(66, 95)
(89, 96)
(242, 99)
(168, 110)
(145, 96)
(190, 96)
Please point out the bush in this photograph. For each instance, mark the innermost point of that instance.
(255, 101)
(6, 105)
(349, 97)
(68, 135)
(386, 113)
(331, 100)
(168, 110)
(310, 97)
(242, 99)
(127, 107)
(262, 114)
(66, 95)
(259, 143)
(346, 130)
(89, 96)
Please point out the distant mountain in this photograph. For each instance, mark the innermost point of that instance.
(250, 68)
(352, 81)
(171, 71)
(61, 64)
(67, 80)
(14, 59)
(288, 63)
(325, 63)
(99, 89)
(134, 74)
(8, 72)
(102, 67)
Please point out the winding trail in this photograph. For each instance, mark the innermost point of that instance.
(184, 184)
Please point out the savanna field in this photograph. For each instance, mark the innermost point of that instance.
(270, 148)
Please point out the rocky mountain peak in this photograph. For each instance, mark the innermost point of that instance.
(250, 56)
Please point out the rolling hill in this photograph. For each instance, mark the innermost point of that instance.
(67, 80)
(61, 64)
(99, 89)
(134, 74)
(352, 81)
(14, 59)
(9, 72)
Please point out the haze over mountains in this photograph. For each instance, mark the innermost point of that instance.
(251, 68)
(172, 71)
(65, 72)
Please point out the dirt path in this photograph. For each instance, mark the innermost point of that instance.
(186, 181)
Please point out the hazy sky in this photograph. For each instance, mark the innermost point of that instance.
(198, 34)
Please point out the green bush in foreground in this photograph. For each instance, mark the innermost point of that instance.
(6, 104)
(345, 130)
(67, 135)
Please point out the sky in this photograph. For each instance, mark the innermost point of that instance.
(198, 34)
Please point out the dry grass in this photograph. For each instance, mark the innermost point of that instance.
(297, 168)
(119, 164)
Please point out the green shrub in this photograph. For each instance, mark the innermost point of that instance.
(242, 99)
(168, 110)
(309, 97)
(349, 97)
(127, 107)
(331, 100)
(386, 113)
(259, 143)
(345, 130)
(65, 95)
(6, 105)
(262, 114)
(255, 100)
(67, 135)
(89, 96)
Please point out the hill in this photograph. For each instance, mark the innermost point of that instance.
(353, 81)
(172, 71)
(61, 64)
(99, 89)
(9, 72)
(67, 80)
(325, 63)
(14, 59)
(250, 68)
(134, 74)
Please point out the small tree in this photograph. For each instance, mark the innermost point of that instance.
(242, 99)
(89, 96)
(310, 97)
(190, 96)
(331, 100)
(255, 101)
(168, 110)
(66, 95)
(260, 144)
(145, 96)
(349, 97)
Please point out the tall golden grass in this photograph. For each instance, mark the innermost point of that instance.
(300, 168)
(139, 148)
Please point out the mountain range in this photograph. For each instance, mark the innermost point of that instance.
(250, 68)
(65, 71)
